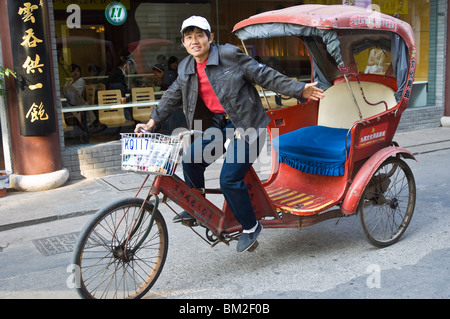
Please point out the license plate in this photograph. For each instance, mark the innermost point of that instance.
(131, 145)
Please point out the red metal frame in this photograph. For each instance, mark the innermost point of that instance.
(218, 220)
(290, 198)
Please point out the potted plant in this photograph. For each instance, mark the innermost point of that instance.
(4, 72)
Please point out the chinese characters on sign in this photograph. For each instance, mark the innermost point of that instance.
(373, 135)
(31, 55)
(26, 11)
(37, 113)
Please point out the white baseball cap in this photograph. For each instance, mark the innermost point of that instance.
(196, 21)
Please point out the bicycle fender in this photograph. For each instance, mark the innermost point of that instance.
(365, 173)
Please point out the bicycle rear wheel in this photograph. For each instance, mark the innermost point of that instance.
(121, 250)
(387, 204)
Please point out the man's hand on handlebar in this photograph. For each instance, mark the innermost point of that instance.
(145, 128)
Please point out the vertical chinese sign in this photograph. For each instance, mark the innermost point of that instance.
(31, 47)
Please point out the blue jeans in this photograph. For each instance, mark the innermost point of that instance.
(239, 157)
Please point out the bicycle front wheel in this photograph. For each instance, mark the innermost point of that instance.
(121, 251)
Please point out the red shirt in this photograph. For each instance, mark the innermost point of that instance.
(205, 91)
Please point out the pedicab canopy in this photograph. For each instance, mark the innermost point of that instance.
(333, 34)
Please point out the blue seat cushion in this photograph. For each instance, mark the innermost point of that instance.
(314, 149)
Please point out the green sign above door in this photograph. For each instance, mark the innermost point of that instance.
(116, 13)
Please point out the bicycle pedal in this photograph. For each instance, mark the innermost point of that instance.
(189, 222)
(253, 247)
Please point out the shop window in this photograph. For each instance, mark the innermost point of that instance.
(417, 14)
(287, 55)
(126, 60)
(97, 47)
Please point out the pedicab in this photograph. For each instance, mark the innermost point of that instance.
(330, 158)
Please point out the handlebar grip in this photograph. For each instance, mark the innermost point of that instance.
(141, 130)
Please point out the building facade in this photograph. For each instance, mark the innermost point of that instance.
(101, 45)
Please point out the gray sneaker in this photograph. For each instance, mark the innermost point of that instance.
(184, 215)
(246, 240)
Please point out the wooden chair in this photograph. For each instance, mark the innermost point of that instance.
(142, 113)
(112, 117)
(89, 96)
(101, 87)
(75, 130)
(65, 126)
(89, 93)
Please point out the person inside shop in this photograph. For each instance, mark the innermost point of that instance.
(73, 92)
(77, 82)
(118, 77)
(214, 99)
(95, 73)
(158, 71)
(177, 119)
(161, 60)
(171, 73)
(118, 80)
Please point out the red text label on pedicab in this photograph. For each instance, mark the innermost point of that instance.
(191, 200)
(373, 22)
(372, 135)
(410, 81)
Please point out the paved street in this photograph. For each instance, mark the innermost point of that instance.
(327, 260)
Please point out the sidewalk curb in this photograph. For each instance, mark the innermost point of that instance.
(42, 220)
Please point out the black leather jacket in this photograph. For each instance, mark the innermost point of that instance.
(232, 75)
